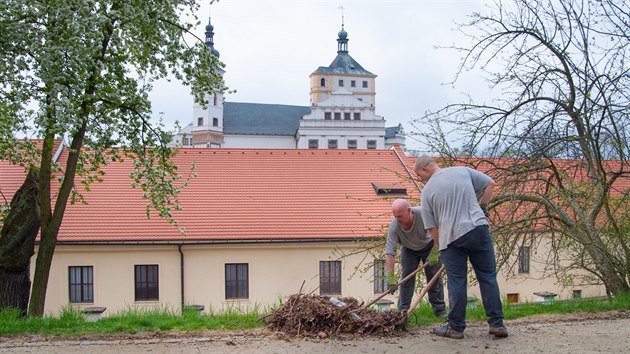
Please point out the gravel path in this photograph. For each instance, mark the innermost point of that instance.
(578, 333)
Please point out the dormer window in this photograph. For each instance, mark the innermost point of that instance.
(386, 189)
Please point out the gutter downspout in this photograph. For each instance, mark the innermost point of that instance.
(408, 172)
(181, 270)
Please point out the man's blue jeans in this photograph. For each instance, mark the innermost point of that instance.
(477, 247)
(410, 260)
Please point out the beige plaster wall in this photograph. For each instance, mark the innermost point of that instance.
(113, 275)
(275, 271)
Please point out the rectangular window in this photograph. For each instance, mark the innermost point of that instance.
(340, 83)
(327, 116)
(236, 281)
(346, 115)
(577, 294)
(337, 116)
(365, 84)
(371, 144)
(313, 144)
(380, 282)
(357, 116)
(330, 277)
(352, 144)
(523, 259)
(332, 143)
(81, 281)
(215, 122)
(353, 83)
(199, 121)
(512, 298)
(147, 284)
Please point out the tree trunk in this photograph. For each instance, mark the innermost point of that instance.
(15, 287)
(45, 253)
(17, 242)
(614, 282)
(51, 218)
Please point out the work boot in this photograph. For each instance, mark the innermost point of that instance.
(441, 314)
(499, 331)
(446, 331)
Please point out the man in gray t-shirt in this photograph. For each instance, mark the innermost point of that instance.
(454, 203)
(407, 230)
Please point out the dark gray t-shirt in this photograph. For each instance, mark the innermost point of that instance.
(449, 202)
(415, 239)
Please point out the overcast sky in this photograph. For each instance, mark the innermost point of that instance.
(271, 47)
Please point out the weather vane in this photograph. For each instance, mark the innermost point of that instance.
(341, 8)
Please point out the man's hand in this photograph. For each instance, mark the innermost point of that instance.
(433, 256)
(392, 282)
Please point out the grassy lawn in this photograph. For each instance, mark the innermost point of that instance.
(423, 316)
(71, 322)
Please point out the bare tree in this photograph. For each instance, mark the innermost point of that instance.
(556, 133)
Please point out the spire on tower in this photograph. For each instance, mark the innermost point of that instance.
(210, 38)
(342, 41)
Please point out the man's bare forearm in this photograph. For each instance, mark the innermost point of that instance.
(435, 236)
(487, 194)
(389, 263)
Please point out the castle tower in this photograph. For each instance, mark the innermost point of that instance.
(342, 106)
(207, 123)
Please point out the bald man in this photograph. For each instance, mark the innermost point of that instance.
(407, 230)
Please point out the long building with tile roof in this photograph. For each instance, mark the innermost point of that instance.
(259, 225)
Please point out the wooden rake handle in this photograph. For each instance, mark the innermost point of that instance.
(426, 289)
(401, 282)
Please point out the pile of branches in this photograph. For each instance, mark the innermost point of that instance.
(315, 316)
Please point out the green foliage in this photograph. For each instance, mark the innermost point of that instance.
(71, 322)
(82, 70)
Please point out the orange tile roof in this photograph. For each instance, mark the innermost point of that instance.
(12, 176)
(248, 194)
(498, 167)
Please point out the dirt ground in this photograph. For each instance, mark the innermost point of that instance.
(575, 333)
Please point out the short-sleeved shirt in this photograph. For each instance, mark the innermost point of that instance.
(415, 238)
(449, 202)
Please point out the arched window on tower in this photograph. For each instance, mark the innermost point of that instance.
(322, 82)
(215, 100)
